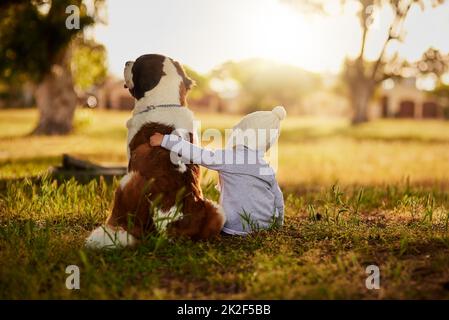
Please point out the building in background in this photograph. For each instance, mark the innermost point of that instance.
(402, 99)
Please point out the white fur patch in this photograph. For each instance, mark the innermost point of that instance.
(219, 210)
(162, 218)
(126, 178)
(178, 117)
(128, 74)
(105, 237)
(181, 167)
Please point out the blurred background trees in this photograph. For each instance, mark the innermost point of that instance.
(44, 63)
(36, 47)
(361, 75)
(261, 84)
(88, 64)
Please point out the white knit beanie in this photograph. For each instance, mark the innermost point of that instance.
(258, 130)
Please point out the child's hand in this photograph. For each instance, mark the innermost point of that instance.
(156, 139)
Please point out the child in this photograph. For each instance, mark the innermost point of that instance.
(249, 193)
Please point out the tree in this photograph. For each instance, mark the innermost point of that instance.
(268, 83)
(361, 75)
(88, 64)
(201, 81)
(436, 65)
(35, 43)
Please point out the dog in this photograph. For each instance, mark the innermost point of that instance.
(158, 194)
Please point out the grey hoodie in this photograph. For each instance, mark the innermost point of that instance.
(250, 195)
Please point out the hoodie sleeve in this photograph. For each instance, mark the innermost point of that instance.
(278, 202)
(191, 153)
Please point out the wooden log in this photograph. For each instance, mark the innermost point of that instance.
(72, 163)
(83, 171)
(84, 176)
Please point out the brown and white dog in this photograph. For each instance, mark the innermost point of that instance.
(157, 194)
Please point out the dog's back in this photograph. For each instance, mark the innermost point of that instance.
(154, 185)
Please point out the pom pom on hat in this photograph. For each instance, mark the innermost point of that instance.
(280, 112)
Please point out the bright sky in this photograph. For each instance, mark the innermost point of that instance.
(205, 33)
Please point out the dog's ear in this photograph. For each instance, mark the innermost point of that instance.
(188, 82)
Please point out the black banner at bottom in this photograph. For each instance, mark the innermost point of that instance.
(224, 309)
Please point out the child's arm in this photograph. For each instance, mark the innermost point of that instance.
(189, 152)
(279, 202)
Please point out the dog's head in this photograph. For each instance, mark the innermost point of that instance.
(159, 77)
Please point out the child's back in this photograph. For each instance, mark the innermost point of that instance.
(250, 199)
(250, 195)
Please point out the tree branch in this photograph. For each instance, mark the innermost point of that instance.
(398, 20)
(364, 26)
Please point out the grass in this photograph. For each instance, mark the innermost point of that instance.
(375, 194)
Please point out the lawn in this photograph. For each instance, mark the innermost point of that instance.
(377, 194)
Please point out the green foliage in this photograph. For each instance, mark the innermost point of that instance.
(331, 233)
(201, 86)
(32, 39)
(89, 64)
(442, 91)
(43, 227)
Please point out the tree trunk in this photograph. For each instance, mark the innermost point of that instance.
(56, 99)
(361, 86)
(360, 99)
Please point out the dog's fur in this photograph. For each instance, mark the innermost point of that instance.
(157, 195)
